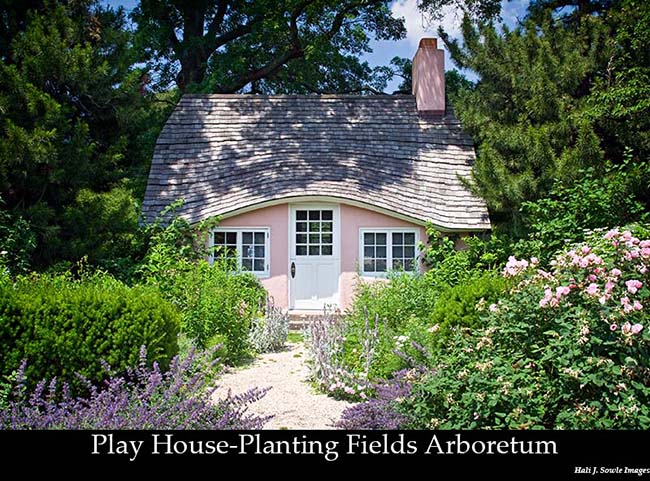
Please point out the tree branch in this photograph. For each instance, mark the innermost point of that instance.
(296, 50)
(163, 16)
(365, 88)
(233, 34)
(262, 72)
(216, 22)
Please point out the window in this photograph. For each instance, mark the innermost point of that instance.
(248, 248)
(388, 249)
(314, 236)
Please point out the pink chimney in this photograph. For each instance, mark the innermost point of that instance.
(429, 77)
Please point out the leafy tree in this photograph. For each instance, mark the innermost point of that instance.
(571, 10)
(274, 46)
(224, 46)
(476, 9)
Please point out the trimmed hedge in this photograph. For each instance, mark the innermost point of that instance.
(63, 328)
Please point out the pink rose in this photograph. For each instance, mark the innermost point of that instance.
(613, 327)
(633, 285)
(562, 291)
(644, 244)
(609, 286)
(611, 234)
(602, 300)
(616, 272)
(627, 235)
(625, 301)
(548, 295)
(636, 328)
(626, 328)
(592, 278)
(592, 289)
(585, 249)
(637, 306)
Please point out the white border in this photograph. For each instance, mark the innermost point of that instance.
(267, 247)
(389, 249)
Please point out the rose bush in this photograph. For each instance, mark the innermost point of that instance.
(566, 348)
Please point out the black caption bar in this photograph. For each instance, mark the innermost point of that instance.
(564, 454)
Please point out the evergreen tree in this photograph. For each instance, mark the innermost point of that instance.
(73, 118)
(529, 113)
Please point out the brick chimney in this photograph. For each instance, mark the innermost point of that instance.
(429, 77)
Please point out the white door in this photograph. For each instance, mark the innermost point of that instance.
(314, 256)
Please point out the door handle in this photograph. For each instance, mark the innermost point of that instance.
(293, 270)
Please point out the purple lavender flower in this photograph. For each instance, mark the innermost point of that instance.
(144, 398)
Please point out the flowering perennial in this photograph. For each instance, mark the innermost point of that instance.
(615, 283)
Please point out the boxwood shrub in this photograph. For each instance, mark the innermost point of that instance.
(64, 327)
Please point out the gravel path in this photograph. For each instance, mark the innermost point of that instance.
(293, 401)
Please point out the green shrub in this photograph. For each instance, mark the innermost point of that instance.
(63, 327)
(219, 308)
(598, 199)
(394, 301)
(446, 264)
(103, 228)
(17, 242)
(461, 305)
(566, 349)
(217, 305)
(217, 302)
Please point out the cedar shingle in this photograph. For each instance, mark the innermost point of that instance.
(221, 153)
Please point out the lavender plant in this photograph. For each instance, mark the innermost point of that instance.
(269, 333)
(380, 412)
(145, 398)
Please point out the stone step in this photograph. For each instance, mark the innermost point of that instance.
(298, 320)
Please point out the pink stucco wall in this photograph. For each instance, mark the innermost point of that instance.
(277, 219)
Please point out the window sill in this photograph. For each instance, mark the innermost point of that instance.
(373, 275)
(259, 275)
(386, 275)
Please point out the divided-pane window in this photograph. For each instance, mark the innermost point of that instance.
(225, 245)
(314, 232)
(386, 249)
(403, 251)
(374, 252)
(248, 248)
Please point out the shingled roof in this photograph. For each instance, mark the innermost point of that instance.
(223, 153)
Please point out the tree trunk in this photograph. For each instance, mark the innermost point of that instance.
(193, 55)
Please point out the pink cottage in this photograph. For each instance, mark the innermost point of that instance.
(318, 192)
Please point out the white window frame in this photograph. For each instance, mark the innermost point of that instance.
(389, 248)
(239, 230)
